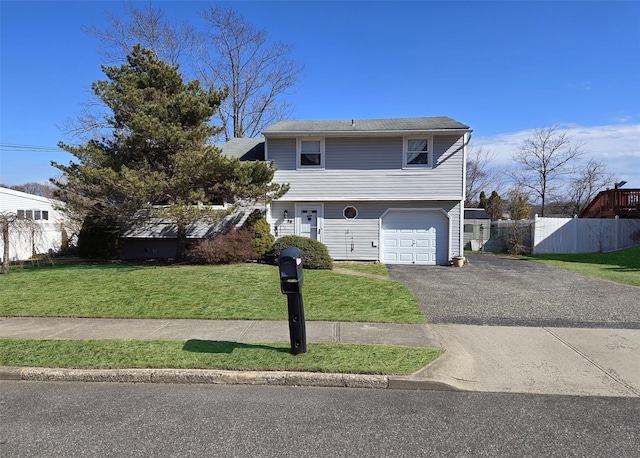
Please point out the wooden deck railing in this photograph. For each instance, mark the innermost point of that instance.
(624, 203)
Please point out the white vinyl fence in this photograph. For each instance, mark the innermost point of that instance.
(564, 235)
(583, 235)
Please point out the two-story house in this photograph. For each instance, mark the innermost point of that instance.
(388, 190)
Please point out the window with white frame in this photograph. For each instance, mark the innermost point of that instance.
(350, 212)
(417, 152)
(33, 214)
(310, 153)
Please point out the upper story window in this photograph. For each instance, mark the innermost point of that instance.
(310, 153)
(33, 214)
(418, 152)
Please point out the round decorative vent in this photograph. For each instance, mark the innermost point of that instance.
(350, 212)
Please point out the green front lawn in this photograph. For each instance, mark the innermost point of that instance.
(365, 268)
(619, 266)
(198, 354)
(243, 291)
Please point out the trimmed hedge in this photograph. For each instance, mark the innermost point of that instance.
(315, 255)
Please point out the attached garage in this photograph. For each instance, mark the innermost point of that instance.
(415, 237)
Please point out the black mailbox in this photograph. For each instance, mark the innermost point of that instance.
(290, 263)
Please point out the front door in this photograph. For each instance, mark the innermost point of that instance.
(309, 223)
(309, 218)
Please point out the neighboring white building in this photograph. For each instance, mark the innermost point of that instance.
(39, 209)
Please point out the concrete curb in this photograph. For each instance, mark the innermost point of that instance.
(419, 384)
(195, 376)
(222, 377)
(10, 373)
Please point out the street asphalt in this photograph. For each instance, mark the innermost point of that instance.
(506, 325)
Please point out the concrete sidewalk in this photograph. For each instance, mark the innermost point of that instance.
(540, 360)
(412, 335)
(417, 335)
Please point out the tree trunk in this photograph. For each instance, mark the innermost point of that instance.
(5, 240)
(181, 242)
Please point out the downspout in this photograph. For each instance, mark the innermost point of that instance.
(465, 142)
(268, 213)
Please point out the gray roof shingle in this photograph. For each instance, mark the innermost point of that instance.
(245, 149)
(161, 228)
(435, 123)
(476, 213)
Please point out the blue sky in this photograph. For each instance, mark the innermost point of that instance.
(503, 68)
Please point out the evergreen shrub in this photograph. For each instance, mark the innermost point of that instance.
(99, 238)
(258, 226)
(315, 254)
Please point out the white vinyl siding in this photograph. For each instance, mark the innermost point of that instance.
(352, 239)
(279, 225)
(366, 154)
(359, 239)
(282, 151)
(370, 169)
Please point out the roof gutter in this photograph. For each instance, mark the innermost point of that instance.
(365, 133)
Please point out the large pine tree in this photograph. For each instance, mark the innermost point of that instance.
(155, 160)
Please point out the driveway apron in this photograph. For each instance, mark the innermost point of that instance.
(518, 326)
(503, 291)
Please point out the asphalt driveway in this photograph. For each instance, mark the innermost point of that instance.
(503, 291)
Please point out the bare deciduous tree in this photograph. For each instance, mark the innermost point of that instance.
(6, 219)
(17, 230)
(236, 55)
(37, 189)
(148, 27)
(225, 52)
(591, 178)
(481, 175)
(542, 160)
(172, 42)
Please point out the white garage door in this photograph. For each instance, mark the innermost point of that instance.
(415, 237)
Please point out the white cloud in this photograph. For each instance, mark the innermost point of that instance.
(622, 119)
(618, 146)
(585, 85)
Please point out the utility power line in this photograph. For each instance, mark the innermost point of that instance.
(16, 148)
